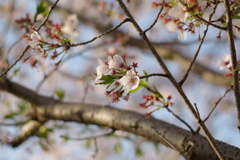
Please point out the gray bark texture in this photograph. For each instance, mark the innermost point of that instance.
(191, 146)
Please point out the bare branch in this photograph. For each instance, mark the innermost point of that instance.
(208, 23)
(168, 142)
(199, 47)
(153, 74)
(105, 33)
(173, 81)
(90, 137)
(180, 119)
(233, 57)
(14, 124)
(219, 100)
(155, 21)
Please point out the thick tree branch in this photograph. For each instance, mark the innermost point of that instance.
(195, 146)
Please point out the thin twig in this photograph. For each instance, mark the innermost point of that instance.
(230, 88)
(107, 32)
(153, 74)
(215, 106)
(14, 124)
(209, 137)
(198, 114)
(53, 6)
(208, 23)
(199, 47)
(15, 62)
(168, 142)
(26, 49)
(233, 57)
(156, 19)
(90, 137)
(46, 76)
(96, 147)
(180, 119)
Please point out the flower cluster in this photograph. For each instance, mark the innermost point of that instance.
(70, 26)
(117, 72)
(155, 100)
(176, 16)
(226, 63)
(179, 12)
(55, 38)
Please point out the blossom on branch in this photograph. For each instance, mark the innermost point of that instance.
(35, 39)
(179, 11)
(116, 62)
(225, 62)
(130, 81)
(34, 43)
(103, 68)
(173, 27)
(70, 26)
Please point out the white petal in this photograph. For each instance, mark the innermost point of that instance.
(172, 27)
(124, 80)
(100, 62)
(117, 59)
(182, 35)
(102, 69)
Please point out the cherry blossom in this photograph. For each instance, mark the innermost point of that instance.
(225, 61)
(37, 51)
(179, 11)
(116, 62)
(70, 26)
(103, 68)
(172, 27)
(130, 81)
(35, 39)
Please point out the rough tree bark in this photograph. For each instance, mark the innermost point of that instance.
(191, 146)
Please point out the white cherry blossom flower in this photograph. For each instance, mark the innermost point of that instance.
(179, 11)
(173, 27)
(37, 51)
(116, 62)
(130, 81)
(35, 39)
(102, 68)
(225, 61)
(70, 26)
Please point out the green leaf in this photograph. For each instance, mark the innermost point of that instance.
(88, 142)
(236, 17)
(156, 147)
(42, 8)
(143, 84)
(117, 148)
(15, 72)
(145, 73)
(43, 146)
(64, 138)
(106, 79)
(11, 115)
(59, 94)
(157, 93)
(43, 132)
(22, 106)
(138, 152)
(136, 89)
